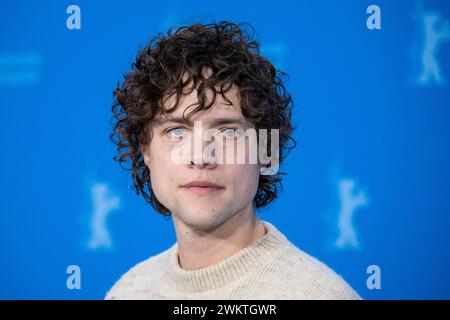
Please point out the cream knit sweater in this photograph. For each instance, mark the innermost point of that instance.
(270, 268)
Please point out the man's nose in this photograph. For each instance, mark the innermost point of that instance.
(198, 158)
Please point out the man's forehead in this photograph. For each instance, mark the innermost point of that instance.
(211, 119)
(222, 107)
(219, 108)
(219, 113)
(229, 99)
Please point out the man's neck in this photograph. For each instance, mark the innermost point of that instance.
(199, 249)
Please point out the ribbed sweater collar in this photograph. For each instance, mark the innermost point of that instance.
(237, 265)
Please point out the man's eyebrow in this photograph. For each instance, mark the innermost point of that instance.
(161, 121)
(213, 123)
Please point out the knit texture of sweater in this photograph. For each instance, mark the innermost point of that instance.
(270, 268)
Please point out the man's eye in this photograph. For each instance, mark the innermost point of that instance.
(231, 133)
(176, 133)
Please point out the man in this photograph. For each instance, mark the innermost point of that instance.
(211, 78)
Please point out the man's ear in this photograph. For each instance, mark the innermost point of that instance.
(145, 154)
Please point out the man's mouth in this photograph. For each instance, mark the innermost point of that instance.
(203, 190)
(201, 187)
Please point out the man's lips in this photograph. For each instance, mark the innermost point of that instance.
(201, 183)
(202, 190)
(202, 187)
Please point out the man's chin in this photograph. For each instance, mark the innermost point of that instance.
(203, 221)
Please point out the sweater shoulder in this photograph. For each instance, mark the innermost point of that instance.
(308, 278)
(137, 278)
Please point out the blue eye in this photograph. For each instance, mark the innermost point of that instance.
(231, 133)
(176, 133)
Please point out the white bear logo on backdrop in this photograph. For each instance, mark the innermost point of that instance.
(434, 31)
(104, 203)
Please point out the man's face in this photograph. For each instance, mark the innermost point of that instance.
(200, 208)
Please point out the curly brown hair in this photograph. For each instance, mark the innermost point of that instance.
(160, 70)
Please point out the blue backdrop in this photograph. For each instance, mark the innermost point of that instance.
(367, 185)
